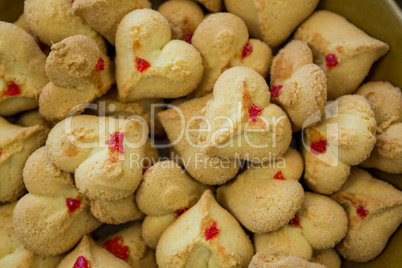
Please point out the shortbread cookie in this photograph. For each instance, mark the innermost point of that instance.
(165, 190)
(327, 257)
(12, 252)
(110, 105)
(151, 65)
(16, 145)
(212, 5)
(53, 20)
(386, 102)
(22, 70)
(374, 209)
(319, 224)
(298, 85)
(32, 118)
(78, 72)
(261, 261)
(240, 120)
(184, 16)
(270, 20)
(129, 246)
(223, 41)
(52, 218)
(343, 138)
(264, 198)
(205, 235)
(181, 124)
(105, 15)
(343, 51)
(89, 254)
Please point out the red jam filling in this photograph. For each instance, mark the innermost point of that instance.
(247, 50)
(116, 247)
(12, 89)
(100, 65)
(81, 262)
(331, 60)
(279, 176)
(254, 111)
(116, 142)
(180, 211)
(142, 65)
(295, 222)
(361, 212)
(318, 147)
(275, 90)
(73, 204)
(211, 231)
(188, 38)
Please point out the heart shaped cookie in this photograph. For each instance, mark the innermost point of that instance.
(223, 41)
(151, 65)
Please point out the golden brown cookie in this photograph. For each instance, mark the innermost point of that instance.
(319, 224)
(270, 20)
(105, 15)
(89, 254)
(223, 41)
(327, 257)
(240, 122)
(22, 70)
(16, 145)
(298, 85)
(12, 252)
(205, 235)
(261, 261)
(264, 198)
(32, 118)
(344, 137)
(181, 124)
(374, 210)
(78, 72)
(129, 246)
(52, 218)
(53, 20)
(184, 16)
(386, 102)
(212, 5)
(343, 51)
(151, 65)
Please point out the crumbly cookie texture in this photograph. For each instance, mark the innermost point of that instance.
(52, 218)
(328, 257)
(89, 254)
(151, 65)
(343, 51)
(319, 224)
(345, 137)
(53, 20)
(22, 70)
(165, 190)
(184, 17)
(260, 260)
(103, 152)
(129, 246)
(264, 198)
(270, 20)
(16, 145)
(212, 5)
(386, 102)
(78, 72)
(13, 253)
(374, 210)
(223, 41)
(184, 118)
(32, 118)
(240, 120)
(298, 85)
(110, 105)
(205, 235)
(105, 15)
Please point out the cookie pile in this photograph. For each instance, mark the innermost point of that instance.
(218, 138)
